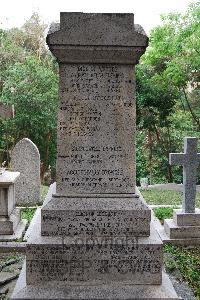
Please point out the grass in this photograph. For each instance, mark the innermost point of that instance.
(166, 197)
(28, 213)
(163, 213)
(187, 262)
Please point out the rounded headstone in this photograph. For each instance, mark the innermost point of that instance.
(25, 158)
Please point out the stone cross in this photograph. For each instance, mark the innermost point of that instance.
(189, 160)
(6, 111)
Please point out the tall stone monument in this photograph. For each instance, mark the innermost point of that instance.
(25, 158)
(185, 225)
(95, 240)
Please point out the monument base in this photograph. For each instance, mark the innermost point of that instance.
(96, 216)
(183, 226)
(176, 242)
(11, 227)
(45, 274)
(96, 260)
(181, 232)
(105, 291)
(18, 234)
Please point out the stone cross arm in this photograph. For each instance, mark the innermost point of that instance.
(190, 160)
(176, 159)
(190, 155)
(179, 159)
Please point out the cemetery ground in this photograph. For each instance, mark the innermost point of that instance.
(181, 263)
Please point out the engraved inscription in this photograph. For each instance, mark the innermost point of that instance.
(89, 262)
(95, 223)
(96, 129)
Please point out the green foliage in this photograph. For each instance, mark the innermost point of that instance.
(29, 80)
(28, 213)
(155, 98)
(163, 213)
(32, 88)
(142, 165)
(187, 261)
(161, 197)
(168, 106)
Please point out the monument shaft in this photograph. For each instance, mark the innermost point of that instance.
(96, 129)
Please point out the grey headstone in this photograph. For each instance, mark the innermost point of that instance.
(190, 160)
(25, 158)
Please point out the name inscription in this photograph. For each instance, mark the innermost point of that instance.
(89, 262)
(96, 129)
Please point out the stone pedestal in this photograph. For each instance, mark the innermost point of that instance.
(11, 227)
(92, 267)
(94, 239)
(184, 226)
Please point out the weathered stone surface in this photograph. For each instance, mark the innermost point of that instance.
(166, 239)
(9, 216)
(7, 192)
(95, 264)
(8, 178)
(11, 227)
(96, 129)
(190, 160)
(96, 217)
(97, 38)
(17, 234)
(51, 191)
(6, 226)
(9, 224)
(25, 158)
(102, 260)
(3, 202)
(113, 291)
(187, 219)
(181, 232)
(6, 277)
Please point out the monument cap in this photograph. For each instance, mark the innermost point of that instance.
(97, 38)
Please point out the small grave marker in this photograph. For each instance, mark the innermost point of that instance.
(25, 158)
(189, 160)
